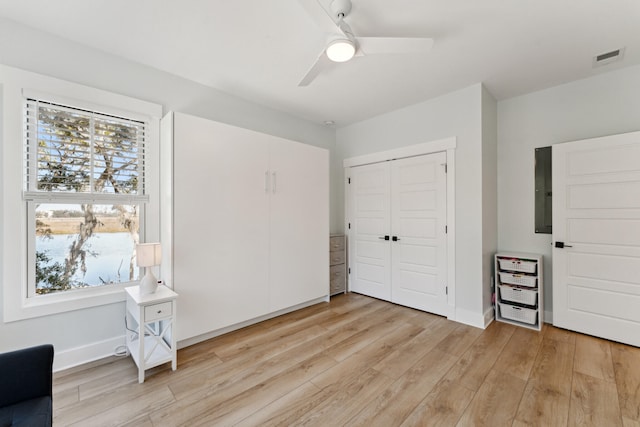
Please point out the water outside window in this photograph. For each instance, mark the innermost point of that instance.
(82, 245)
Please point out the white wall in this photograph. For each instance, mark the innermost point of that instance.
(92, 333)
(489, 196)
(457, 114)
(32, 50)
(602, 105)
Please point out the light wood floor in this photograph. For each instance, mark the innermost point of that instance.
(360, 361)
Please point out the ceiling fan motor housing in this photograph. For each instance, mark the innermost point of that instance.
(341, 8)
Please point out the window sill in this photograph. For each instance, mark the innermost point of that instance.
(45, 305)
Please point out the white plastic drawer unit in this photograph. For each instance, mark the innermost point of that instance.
(157, 311)
(513, 264)
(519, 314)
(519, 289)
(518, 279)
(523, 296)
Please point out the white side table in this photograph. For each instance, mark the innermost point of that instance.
(152, 316)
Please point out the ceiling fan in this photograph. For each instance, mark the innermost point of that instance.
(343, 45)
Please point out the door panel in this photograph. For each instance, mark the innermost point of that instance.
(374, 274)
(419, 255)
(596, 213)
(609, 268)
(373, 226)
(604, 304)
(613, 160)
(369, 253)
(370, 250)
(604, 196)
(424, 200)
(418, 216)
(604, 231)
(413, 281)
(418, 227)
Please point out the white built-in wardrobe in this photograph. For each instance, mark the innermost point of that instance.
(245, 223)
(397, 225)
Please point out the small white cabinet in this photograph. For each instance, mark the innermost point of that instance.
(152, 316)
(519, 290)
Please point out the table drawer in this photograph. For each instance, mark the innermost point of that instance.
(337, 287)
(337, 278)
(336, 243)
(336, 257)
(337, 272)
(158, 311)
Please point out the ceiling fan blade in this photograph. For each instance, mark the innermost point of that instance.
(322, 62)
(394, 45)
(320, 15)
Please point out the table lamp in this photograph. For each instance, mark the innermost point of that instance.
(148, 255)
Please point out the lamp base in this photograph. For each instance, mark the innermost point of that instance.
(149, 283)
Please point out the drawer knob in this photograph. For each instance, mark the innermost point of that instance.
(159, 311)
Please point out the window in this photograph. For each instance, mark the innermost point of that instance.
(85, 194)
(27, 207)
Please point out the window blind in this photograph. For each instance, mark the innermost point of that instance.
(74, 151)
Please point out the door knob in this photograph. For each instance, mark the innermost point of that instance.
(561, 245)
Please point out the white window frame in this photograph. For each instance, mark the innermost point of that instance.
(14, 216)
(32, 195)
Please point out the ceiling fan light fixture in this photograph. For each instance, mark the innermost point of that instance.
(341, 50)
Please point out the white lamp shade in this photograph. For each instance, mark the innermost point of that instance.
(148, 254)
(341, 50)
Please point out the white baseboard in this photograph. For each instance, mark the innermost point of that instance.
(87, 353)
(489, 316)
(470, 318)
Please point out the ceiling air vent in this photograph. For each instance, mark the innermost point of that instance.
(608, 57)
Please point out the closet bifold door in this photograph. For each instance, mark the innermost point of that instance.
(418, 246)
(299, 224)
(370, 234)
(397, 240)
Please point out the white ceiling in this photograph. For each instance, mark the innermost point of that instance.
(260, 49)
